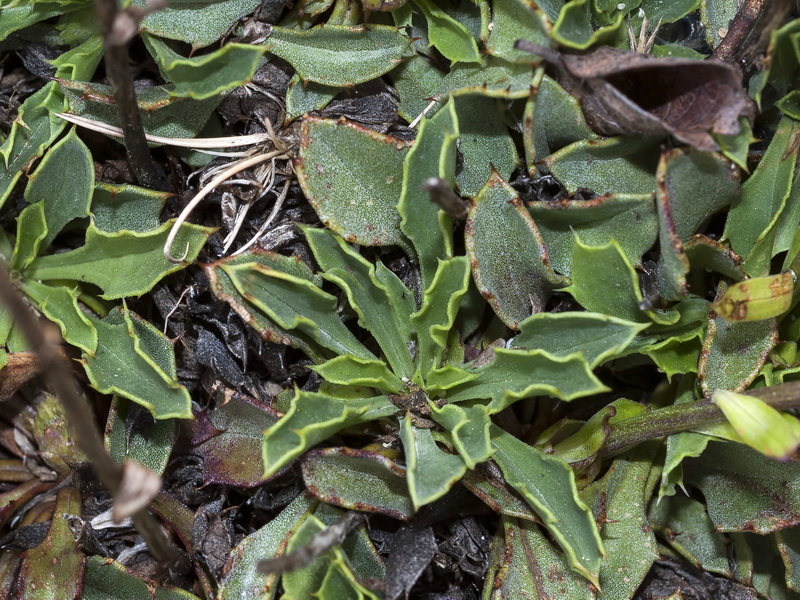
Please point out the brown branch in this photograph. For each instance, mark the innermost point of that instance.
(748, 32)
(45, 341)
(118, 27)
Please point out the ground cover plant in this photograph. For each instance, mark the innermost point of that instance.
(404, 299)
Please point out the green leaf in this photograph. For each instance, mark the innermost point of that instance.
(684, 523)
(734, 352)
(80, 62)
(31, 231)
(484, 143)
(351, 175)
(757, 298)
(379, 310)
(358, 480)
(631, 220)
(442, 379)
(432, 155)
(498, 496)
(222, 287)
(514, 20)
(620, 500)
(548, 485)
(431, 471)
(736, 147)
(17, 16)
(283, 289)
(59, 547)
(60, 305)
(683, 176)
(789, 547)
(63, 183)
(435, 319)
(202, 77)
(553, 119)
(469, 426)
(599, 337)
(604, 281)
(306, 96)
(136, 361)
(581, 448)
(340, 55)
(519, 566)
(196, 22)
(745, 490)
(106, 578)
(241, 580)
(620, 165)
(751, 224)
(716, 16)
(313, 418)
(517, 374)
(451, 38)
(350, 370)
(574, 27)
(126, 208)
(33, 130)
(759, 425)
(162, 114)
(150, 446)
(668, 12)
(509, 260)
(105, 255)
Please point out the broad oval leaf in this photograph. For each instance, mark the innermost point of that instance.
(358, 480)
(509, 260)
(340, 55)
(352, 177)
(451, 38)
(513, 20)
(757, 299)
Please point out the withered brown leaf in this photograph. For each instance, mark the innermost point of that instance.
(627, 93)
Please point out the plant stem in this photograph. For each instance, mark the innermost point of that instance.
(748, 32)
(118, 69)
(45, 341)
(688, 416)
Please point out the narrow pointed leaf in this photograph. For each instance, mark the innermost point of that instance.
(60, 305)
(31, 231)
(431, 471)
(509, 260)
(435, 319)
(350, 370)
(122, 366)
(313, 418)
(432, 155)
(599, 337)
(340, 55)
(517, 374)
(105, 255)
(379, 312)
(548, 485)
(469, 426)
(34, 129)
(351, 175)
(63, 183)
(240, 578)
(752, 222)
(282, 289)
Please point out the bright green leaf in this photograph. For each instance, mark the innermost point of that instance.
(105, 255)
(431, 471)
(60, 305)
(31, 231)
(350, 370)
(469, 426)
(451, 38)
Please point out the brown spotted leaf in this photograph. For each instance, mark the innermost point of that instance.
(638, 94)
